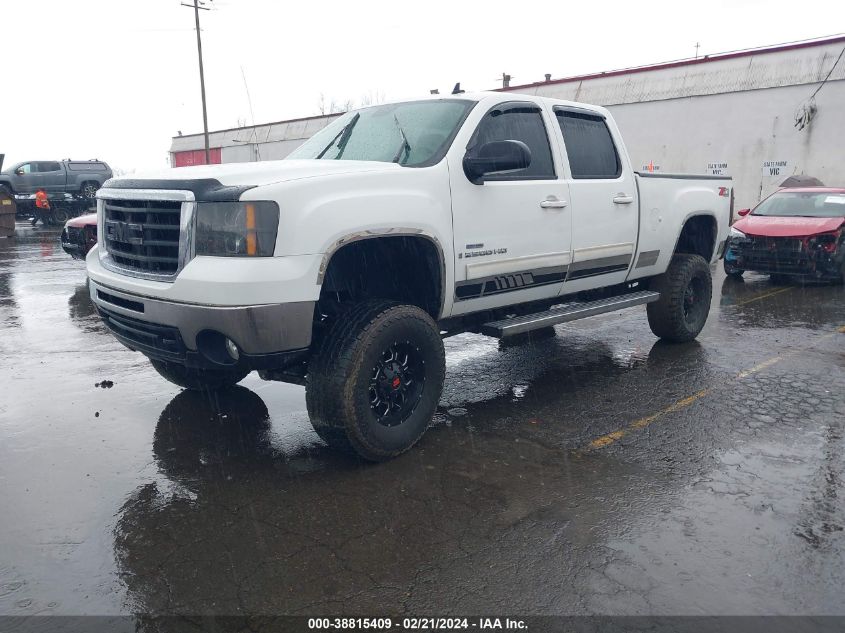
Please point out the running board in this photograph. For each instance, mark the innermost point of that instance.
(565, 313)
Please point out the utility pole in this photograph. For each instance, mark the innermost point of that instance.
(197, 5)
(697, 46)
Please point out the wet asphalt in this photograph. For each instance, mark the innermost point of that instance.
(592, 470)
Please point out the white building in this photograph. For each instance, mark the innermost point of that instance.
(758, 115)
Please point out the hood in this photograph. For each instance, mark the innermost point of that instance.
(771, 226)
(263, 172)
(82, 221)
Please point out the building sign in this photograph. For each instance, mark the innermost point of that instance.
(776, 168)
(717, 168)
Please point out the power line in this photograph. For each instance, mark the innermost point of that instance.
(829, 73)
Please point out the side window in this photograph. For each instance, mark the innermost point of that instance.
(27, 168)
(518, 122)
(51, 166)
(589, 145)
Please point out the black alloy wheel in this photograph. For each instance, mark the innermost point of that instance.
(397, 384)
(694, 307)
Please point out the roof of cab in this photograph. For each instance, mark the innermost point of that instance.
(503, 97)
(812, 190)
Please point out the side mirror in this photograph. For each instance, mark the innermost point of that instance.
(19, 172)
(743, 212)
(496, 157)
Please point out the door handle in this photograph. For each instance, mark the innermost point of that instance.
(623, 198)
(553, 203)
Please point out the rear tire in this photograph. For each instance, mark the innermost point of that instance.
(686, 289)
(375, 380)
(60, 215)
(89, 190)
(198, 379)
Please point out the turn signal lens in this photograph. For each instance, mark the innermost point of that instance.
(251, 239)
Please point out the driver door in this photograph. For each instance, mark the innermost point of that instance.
(25, 178)
(511, 232)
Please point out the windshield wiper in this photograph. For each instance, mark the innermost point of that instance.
(341, 137)
(406, 146)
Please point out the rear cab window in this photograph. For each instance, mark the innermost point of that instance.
(589, 144)
(86, 166)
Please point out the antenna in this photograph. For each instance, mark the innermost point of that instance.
(457, 89)
(251, 116)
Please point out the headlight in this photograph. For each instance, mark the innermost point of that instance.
(736, 233)
(236, 229)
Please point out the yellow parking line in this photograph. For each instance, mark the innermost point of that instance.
(683, 403)
(610, 438)
(764, 295)
(759, 367)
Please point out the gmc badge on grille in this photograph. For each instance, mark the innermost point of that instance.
(125, 232)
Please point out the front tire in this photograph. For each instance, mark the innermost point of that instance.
(198, 379)
(686, 289)
(732, 270)
(375, 380)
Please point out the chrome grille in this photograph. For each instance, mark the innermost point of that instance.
(143, 235)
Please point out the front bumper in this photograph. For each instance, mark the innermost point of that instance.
(268, 336)
(784, 256)
(76, 242)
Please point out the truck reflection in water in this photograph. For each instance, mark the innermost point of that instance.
(238, 524)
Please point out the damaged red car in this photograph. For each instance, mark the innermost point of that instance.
(79, 235)
(795, 232)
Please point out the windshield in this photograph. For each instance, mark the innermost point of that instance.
(414, 134)
(809, 204)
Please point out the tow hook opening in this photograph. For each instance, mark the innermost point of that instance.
(218, 348)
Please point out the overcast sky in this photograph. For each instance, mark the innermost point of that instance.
(115, 79)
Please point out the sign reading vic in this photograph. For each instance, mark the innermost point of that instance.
(775, 168)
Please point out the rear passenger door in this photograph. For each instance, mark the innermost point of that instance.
(51, 176)
(604, 200)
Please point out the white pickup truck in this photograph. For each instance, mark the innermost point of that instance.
(344, 266)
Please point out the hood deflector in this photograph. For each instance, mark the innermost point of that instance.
(204, 189)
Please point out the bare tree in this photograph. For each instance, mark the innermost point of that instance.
(334, 106)
(372, 97)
